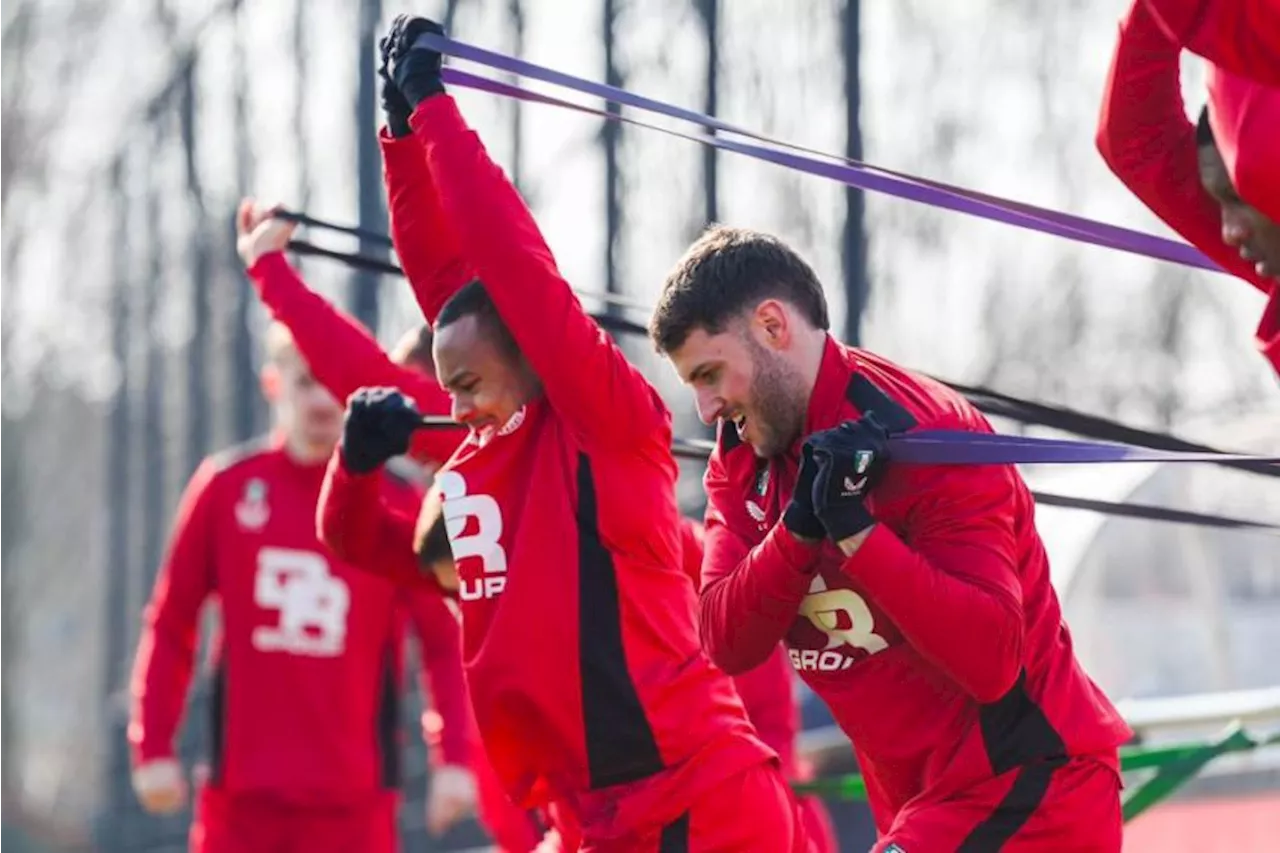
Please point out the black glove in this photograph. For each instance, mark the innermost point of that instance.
(798, 516)
(395, 105)
(378, 425)
(414, 70)
(850, 460)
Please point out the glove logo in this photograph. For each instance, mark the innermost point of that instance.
(312, 603)
(482, 541)
(845, 619)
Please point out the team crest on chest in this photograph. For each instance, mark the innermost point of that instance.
(252, 510)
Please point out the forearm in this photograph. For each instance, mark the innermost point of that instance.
(747, 612)
(970, 631)
(161, 678)
(420, 231)
(341, 353)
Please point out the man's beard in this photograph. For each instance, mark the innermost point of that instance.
(777, 402)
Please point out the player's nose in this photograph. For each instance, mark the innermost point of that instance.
(461, 409)
(709, 407)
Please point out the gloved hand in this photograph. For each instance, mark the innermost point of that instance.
(378, 425)
(395, 106)
(414, 70)
(450, 798)
(850, 459)
(160, 786)
(799, 517)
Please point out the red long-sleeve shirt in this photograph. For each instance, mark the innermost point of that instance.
(344, 356)
(767, 691)
(939, 645)
(309, 648)
(1147, 141)
(356, 522)
(579, 635)
(1242, 36)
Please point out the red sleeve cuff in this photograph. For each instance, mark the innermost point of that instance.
(797, 553)
(879, 559)
(400, 151)
(267, 271)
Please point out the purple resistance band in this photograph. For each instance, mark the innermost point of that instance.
(853, 173)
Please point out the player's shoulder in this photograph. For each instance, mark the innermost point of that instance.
(246, 458)
(904, 399)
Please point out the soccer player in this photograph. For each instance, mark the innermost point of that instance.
(579, 630)
(914, 600)
(344, 356)
(1242, 36)
(1179, 170)
(767, 692)
(307, 662)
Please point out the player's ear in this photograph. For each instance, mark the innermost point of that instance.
(771, 324)
(270, 381)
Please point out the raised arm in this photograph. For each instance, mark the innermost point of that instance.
(1145, 138)
(1240, 35)
(170, 626)
(423, 237)
(586, 377)
(750, 596)
(344, 356)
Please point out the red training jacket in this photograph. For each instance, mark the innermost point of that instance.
(307, 660)
(1242, 36)
(939, 645)
(767, 691)
(344, 356)
(579, 635)
(1147, 141)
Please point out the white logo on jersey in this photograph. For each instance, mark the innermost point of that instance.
(845, 618)
(313, 604)
(252, 511)
(754, 510)
(459, 508)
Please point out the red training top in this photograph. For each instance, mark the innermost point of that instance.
(1242, 36)
(307, 660)
(1146, 139)
(939, 645)
(767, 691)
(579, 636)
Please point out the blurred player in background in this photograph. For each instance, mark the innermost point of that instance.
(344, 355)
(1216, 183)
(307, 663)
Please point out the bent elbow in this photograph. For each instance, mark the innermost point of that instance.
(718, 640)
(1000, 671)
